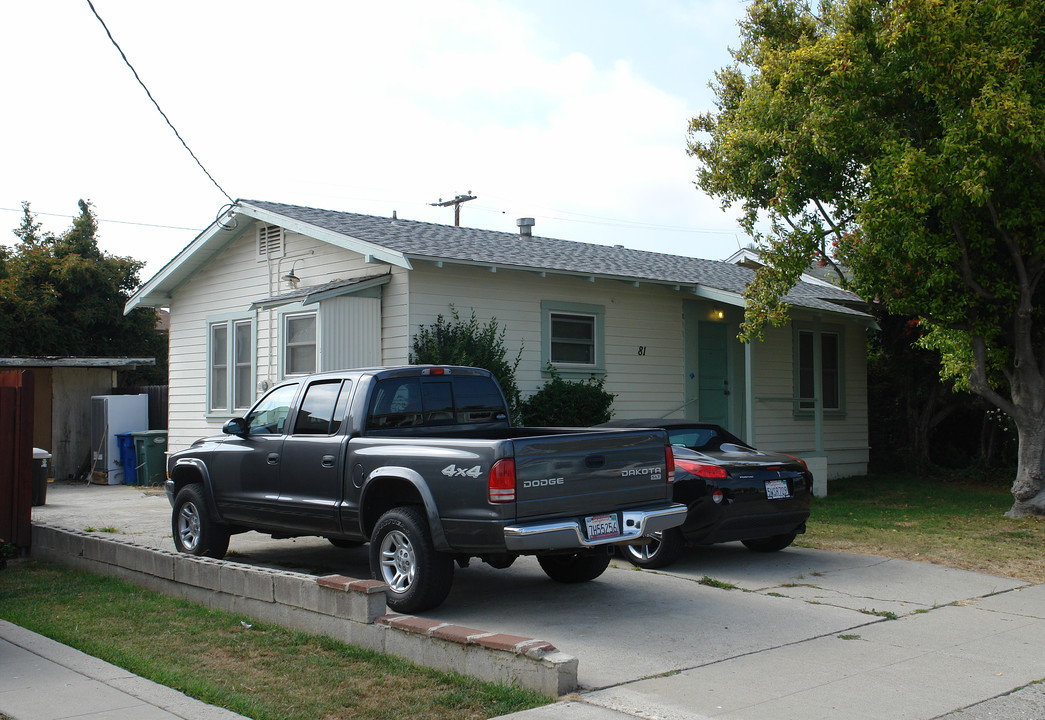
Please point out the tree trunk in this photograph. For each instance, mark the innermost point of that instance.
(1029, 486)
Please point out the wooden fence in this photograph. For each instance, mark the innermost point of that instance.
(16, 457)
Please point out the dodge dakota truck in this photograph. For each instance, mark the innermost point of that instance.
(422, 463)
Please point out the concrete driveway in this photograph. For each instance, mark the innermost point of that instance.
(723, 633)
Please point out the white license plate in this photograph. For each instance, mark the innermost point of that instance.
(602, 526)
(777, 490)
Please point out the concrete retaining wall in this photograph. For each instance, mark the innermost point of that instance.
(345, 609)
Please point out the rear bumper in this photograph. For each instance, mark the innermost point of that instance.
(570, 533)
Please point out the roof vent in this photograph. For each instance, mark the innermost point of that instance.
(525, 227)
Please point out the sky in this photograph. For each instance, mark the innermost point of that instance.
(573, 112)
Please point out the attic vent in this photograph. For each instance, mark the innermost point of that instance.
(270, 242)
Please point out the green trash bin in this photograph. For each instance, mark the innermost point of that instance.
(150, 448)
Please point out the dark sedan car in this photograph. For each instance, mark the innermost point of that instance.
(733, 492)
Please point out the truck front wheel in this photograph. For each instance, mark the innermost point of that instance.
(194, 532)
(576, 567)
(402, 555)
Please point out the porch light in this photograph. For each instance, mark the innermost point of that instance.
(290, 277)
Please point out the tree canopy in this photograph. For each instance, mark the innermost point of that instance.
(61, 295)
(905, 139)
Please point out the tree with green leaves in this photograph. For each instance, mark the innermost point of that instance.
(61, 295)
(905, 138)
(453, 341)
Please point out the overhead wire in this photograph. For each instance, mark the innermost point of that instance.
(146, 89)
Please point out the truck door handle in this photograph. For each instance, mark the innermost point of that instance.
(328, 461)
(273, 459)
(594, 461)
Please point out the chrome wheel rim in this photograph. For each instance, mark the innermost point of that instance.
(189, 526)
(648, 551)
(398, 561)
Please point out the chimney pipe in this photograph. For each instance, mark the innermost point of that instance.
(525, 225)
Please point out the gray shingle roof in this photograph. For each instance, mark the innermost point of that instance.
(447, 242)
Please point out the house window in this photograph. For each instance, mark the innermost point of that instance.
(572, 337)
(299, 344)
(830, 369)
(230, 365)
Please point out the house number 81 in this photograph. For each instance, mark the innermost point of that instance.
(642, 350)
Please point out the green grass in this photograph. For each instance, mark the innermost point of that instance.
(720, 584)
(265, 672)
(958, 523)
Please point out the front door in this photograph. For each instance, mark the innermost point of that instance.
(707, 364)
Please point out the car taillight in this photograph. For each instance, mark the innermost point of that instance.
(502, 481)
(704, 470)
(798, 460)
(669, 463)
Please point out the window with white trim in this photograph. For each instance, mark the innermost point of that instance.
(299, 344)
(572, 338)
(230, 365)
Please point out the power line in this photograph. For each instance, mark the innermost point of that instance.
(128, 62)
(105, 220)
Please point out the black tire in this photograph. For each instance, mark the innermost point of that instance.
(575, 568)
(663, 549)
(345, 544)
(770, 544)
(195, 533)
(402, 555)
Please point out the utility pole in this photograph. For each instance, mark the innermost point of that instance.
(456, 202)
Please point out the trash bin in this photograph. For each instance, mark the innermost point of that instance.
(125, 444)
(151, 449)
(41, 469)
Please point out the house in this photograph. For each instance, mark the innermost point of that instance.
(63, 387)
(272, 290)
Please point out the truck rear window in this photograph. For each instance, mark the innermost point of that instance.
(443, 400)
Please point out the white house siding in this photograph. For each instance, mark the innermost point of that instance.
(777, 428)
(229, 283)
(648, 316)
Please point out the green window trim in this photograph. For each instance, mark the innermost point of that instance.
(576, 317)
(832, 369)
(231, 364)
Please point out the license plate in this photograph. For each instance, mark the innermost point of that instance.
(777, 490)
(602, 526)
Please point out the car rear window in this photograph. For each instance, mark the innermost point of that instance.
(429, 402)
(706, 438)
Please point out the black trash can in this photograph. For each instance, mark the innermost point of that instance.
(41, 469)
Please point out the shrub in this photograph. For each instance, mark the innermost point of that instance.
(465, 342)
(570, 403)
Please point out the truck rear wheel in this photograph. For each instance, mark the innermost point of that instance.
(402, 555)
(576, 567)
(194, 532)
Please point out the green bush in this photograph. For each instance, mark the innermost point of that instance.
(567, 403)
(459, 342)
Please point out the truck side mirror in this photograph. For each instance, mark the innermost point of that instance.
(236, 426)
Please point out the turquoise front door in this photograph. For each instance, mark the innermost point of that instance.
(707, 380)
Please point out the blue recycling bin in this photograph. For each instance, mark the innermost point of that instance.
(128, 458)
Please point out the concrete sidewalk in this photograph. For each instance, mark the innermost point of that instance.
(41, 679)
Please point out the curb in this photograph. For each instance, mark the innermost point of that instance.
(346, 609)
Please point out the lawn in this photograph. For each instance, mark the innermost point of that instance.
(959, 523)
(259, 670)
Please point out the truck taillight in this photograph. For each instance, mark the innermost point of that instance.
(502, 481)
(669, 463)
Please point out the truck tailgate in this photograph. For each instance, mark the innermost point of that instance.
(586, 472)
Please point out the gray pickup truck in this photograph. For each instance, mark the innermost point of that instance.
(423, 463)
